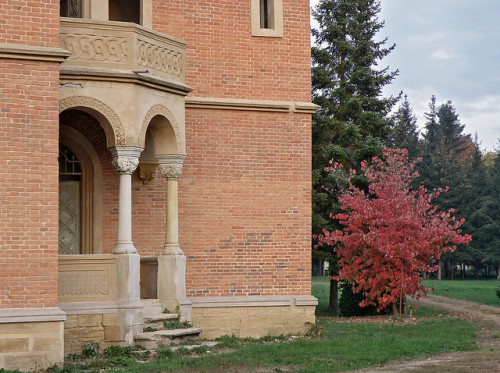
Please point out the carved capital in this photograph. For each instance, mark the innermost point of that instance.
(171, 165)
(125, 159)
(171, 171)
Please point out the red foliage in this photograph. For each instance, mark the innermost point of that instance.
(391, 234)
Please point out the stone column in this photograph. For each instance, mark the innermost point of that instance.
(172, 261)
(125, 160)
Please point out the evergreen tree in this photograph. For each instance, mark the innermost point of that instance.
(404, 133)
(453, 159)
(486, 219)
(352, 122)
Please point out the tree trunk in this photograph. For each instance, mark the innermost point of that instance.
(440, 269)
(476, 274)
(395, 311)
(333, 305)
(498, 272)
(463, 271)
(452, 271)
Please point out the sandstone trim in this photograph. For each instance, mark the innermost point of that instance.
(70, 74)
(251, 105)
(94, 308)
(32, 53)
(22, 315)
(254, 301)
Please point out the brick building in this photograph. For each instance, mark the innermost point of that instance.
(152, 154)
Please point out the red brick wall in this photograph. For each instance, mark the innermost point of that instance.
(245, 203)
(30, 22)
(245, 190)
(28, 158)
(28, 183)
(224, 60)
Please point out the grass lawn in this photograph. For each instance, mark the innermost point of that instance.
(478, 291)
(342, 344)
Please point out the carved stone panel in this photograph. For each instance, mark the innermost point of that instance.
(98, 48)
(159, 58)
(83, 283)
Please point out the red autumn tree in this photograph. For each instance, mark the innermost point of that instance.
(391, 234)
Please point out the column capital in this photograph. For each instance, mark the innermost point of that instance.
(171, 165)
(125, 159)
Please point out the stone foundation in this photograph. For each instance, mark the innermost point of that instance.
(253, 316)
(31, 339)
(99, 322)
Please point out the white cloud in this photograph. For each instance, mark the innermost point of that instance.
(443, 54)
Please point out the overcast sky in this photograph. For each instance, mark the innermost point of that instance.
(449, 48)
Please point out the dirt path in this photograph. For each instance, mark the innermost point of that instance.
(487, 359)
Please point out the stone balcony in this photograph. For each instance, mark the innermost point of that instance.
(120, 49)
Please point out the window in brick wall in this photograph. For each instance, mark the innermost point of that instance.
(125, 11)
(71, 8)
(267, 18)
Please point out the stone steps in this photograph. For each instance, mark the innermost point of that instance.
(154, 318)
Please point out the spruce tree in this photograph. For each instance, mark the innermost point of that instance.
(404, 133)
(352, 123)
(452, 159)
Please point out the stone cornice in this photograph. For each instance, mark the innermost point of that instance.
(71, 74)
(250, 105)
(32, 52)
(254, 301)
(15, 315)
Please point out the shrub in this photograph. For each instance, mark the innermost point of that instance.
(91, 349)
(349, 302)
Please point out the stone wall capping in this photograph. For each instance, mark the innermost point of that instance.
(250, 105)
(95, 308)
(123, 26)
(33, 52)
(22, 315)
(254, 301)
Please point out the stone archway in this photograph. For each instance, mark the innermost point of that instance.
(109, 121)
(168, 138)
(89, 189)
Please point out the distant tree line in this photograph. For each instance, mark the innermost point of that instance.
(454, 159)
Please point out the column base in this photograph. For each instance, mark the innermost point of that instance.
(172, 249)
(128, 277)
(172, 282)
(124, 248)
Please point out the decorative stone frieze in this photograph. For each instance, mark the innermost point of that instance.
(158, 57)
(95, 48)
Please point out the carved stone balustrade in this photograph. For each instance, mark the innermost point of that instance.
(121, 49)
